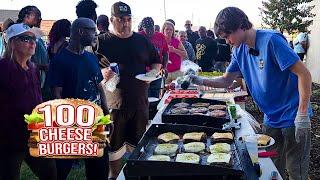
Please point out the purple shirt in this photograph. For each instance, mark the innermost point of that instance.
(19, 93)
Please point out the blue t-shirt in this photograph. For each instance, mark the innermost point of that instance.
(269, 79)
(78, 75)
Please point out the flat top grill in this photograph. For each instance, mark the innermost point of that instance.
(240, 166)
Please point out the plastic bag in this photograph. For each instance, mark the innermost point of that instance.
(111, 84)
(186, 65)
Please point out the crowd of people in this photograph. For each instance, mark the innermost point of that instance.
(75, 64)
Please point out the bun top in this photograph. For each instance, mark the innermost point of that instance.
(74, 102)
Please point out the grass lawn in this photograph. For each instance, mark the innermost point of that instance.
(75, 173)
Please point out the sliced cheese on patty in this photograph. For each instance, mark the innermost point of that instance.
(263, 139)
(220, 148)
(197, 136)
(166, 149)
(169, 136)
(159, 158)
(218, 135)
(194, 147)
(219, 158)
(188, 158)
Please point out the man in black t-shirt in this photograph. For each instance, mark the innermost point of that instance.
(192, 36)
(206, 50)
(223, 56)
(129, 102)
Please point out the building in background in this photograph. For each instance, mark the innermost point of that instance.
(5, 14)
(313, 54)
(13, 14)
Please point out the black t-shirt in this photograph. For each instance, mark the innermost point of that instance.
(224, 51)
(192, 38)
(78, 75)
(133, 55)
(206, 52)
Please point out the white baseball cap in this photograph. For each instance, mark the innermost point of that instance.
(17, 29)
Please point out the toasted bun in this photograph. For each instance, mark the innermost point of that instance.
(34, 152)
(74, 102)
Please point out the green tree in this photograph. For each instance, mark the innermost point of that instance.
(287, 15)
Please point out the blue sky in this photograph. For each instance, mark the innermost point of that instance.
(202, 12)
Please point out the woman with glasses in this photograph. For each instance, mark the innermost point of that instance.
(19, 94)
(176, 52)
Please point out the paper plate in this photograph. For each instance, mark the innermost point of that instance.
(153, 99)
(143, 77)
(271, 142)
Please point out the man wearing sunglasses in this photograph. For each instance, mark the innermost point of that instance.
(129, 102)
(75, 73)
(192, 36)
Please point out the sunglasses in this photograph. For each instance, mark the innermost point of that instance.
(27, 39)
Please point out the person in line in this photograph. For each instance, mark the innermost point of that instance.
(128, 103)
(20, 92)
(177, 53)
(31, 16)
(87, 9)
(206, 50)
(75, 73)
(58, 35)
(187, 45)
(192, 36)
(279, 83)
(160, 43)
(300, 44)
(156, 28)
(211, 34)
(223, 56)
(103, 24)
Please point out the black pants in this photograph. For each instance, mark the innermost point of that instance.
(10, 164)
(96, 168)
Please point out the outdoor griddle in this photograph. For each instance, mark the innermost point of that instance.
(191, 119)
(139, 167)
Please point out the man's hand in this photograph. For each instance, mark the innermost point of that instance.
(196, 80)
(107, 73)
(302, 126)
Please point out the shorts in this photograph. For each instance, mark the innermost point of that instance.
(129, 126)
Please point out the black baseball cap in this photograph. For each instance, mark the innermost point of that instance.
(120, 9)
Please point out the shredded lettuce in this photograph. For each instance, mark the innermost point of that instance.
(33, 118)
(103, 120)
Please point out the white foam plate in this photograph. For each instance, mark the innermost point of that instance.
(143, 77)
(272, 141)
(153, 99)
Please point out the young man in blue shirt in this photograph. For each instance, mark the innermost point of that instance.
(279, 83)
